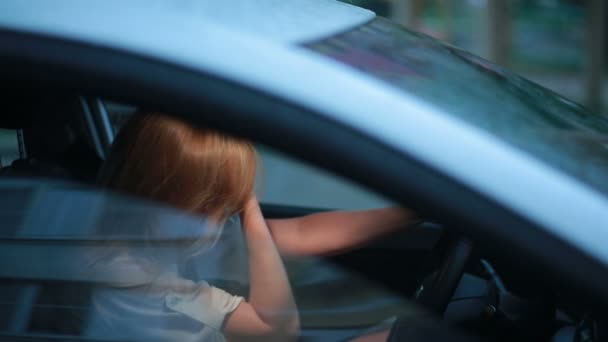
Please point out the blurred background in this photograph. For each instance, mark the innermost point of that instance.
(559, 44)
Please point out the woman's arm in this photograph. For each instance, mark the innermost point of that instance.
(336, 231)
(270, 313)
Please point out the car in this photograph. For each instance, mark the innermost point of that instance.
(350, 111)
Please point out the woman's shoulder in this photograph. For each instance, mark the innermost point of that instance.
(166, 299)
(121, 270)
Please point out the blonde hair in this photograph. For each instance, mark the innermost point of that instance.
(198, 170)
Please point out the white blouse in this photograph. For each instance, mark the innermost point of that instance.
(147, 300)
(157, 307)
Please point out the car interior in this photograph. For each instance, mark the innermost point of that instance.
(63, 137)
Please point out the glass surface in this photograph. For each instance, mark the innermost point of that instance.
(521, 113)
(77, 262)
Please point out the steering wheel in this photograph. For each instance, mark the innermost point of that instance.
(437, 292)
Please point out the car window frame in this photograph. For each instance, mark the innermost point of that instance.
(397, 176)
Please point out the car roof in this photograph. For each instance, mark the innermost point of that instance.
(293, 21)
(565, 207)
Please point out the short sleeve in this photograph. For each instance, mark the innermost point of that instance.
(206, 304)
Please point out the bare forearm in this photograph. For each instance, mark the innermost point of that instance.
(336, 231)
(270, 293)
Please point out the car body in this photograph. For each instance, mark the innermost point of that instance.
(499, 161)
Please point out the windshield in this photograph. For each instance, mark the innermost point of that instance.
(521, 113)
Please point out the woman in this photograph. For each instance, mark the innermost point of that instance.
(210, 174)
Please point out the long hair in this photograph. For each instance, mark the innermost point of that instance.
(163, 159)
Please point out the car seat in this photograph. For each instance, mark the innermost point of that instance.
(55, 138)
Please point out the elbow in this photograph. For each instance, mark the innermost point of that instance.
(287, 329)
(290, 332)
(281, 333)
(282, 326)
(293, 332)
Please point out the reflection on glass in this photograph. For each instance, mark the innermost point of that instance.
(149, 280)
(79, 262)
(519, 112)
